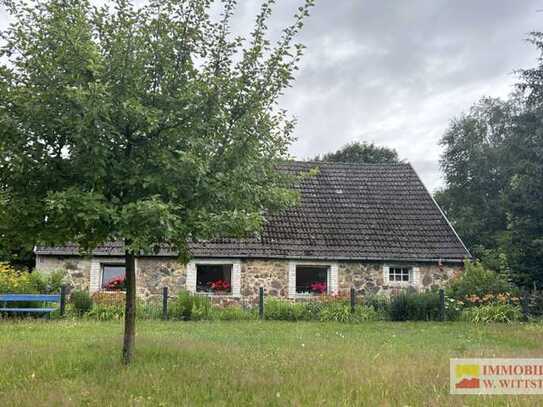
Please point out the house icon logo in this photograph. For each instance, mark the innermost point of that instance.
(467, 376)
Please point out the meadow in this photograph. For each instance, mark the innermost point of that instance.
(272, 363)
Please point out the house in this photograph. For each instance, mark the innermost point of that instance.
(374, 227)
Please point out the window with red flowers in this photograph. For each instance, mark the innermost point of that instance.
(311, 280)
(113, 277)
(214, 278)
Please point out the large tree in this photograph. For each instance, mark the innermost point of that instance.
(476, 174)
(363, 152)
(152, 125)
(493, 167)
(524, 195)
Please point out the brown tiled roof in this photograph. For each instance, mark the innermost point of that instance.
(347, 211)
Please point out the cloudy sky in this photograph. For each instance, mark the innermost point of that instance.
(395, 72)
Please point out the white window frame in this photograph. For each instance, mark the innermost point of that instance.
(101, 276)
(235, 276)
(332, 276)
(414, 273)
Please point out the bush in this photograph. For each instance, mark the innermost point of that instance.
(82, 302)
(188, 306)
(505, 313)
(103, 312)
(380, 303)
(535, 303)
(116, 298)
(408, 306)
(49, 283)
(364, 313)
(477, 281)
(337, 312)
(15, 281)
(233, 314)
(148, 310)
(280, 310)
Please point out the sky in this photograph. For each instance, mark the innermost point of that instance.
(395, 72)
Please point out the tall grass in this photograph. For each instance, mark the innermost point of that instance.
(271, 363)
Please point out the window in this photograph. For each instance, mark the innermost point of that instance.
(214, 278)
(113, 276)
(311, 280)
(399, 274)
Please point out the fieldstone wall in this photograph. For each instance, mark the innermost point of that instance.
(270, 274)
(154, 273)
(368, 278)
(78, 269)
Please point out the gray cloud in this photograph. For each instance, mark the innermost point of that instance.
(395, 72)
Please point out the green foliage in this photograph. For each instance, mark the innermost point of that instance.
(493, 166)
(380, 303)
(81, 301)
(49, 283)
(22, 282)
(188, 306)
(152, 124)
(361, 153)
(102, 312)
(477, 280)
(492, 313)
(334, 310)
(280, 310)
(15, 281)
(233, 314)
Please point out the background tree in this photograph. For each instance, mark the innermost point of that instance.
(493, 167)
(524, 196)
(363, 152)
(476, 175)
(150, 125)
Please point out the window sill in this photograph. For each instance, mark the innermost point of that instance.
(401, 284)
(206, 294)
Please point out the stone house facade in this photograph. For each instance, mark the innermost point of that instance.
(372, 227)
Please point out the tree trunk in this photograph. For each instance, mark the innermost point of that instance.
(130, 308)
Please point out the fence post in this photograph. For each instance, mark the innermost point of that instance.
(353, 299)
(62, 300)
(261, 302)
(441, 304)
(165, 303)
(525, 304)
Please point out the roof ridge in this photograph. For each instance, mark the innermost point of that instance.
(349, 163)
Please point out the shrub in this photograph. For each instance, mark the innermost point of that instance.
(380, 303)
(149, 310)
(81, 301)
(408, 306)
(233, 313)
(115, 298)
(15, 281)
(535, 303)
(364, 313)
(188, 306)
(103, 312)
(280, 310)
(337, 312)
(492, 313)
(477, 281)
(49, 283)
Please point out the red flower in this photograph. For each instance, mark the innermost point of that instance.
(318, 287)
(116, 283)
(219, 285)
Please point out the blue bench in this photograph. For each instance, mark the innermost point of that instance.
(44, 298)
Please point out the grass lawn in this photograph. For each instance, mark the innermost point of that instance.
(251, 363)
